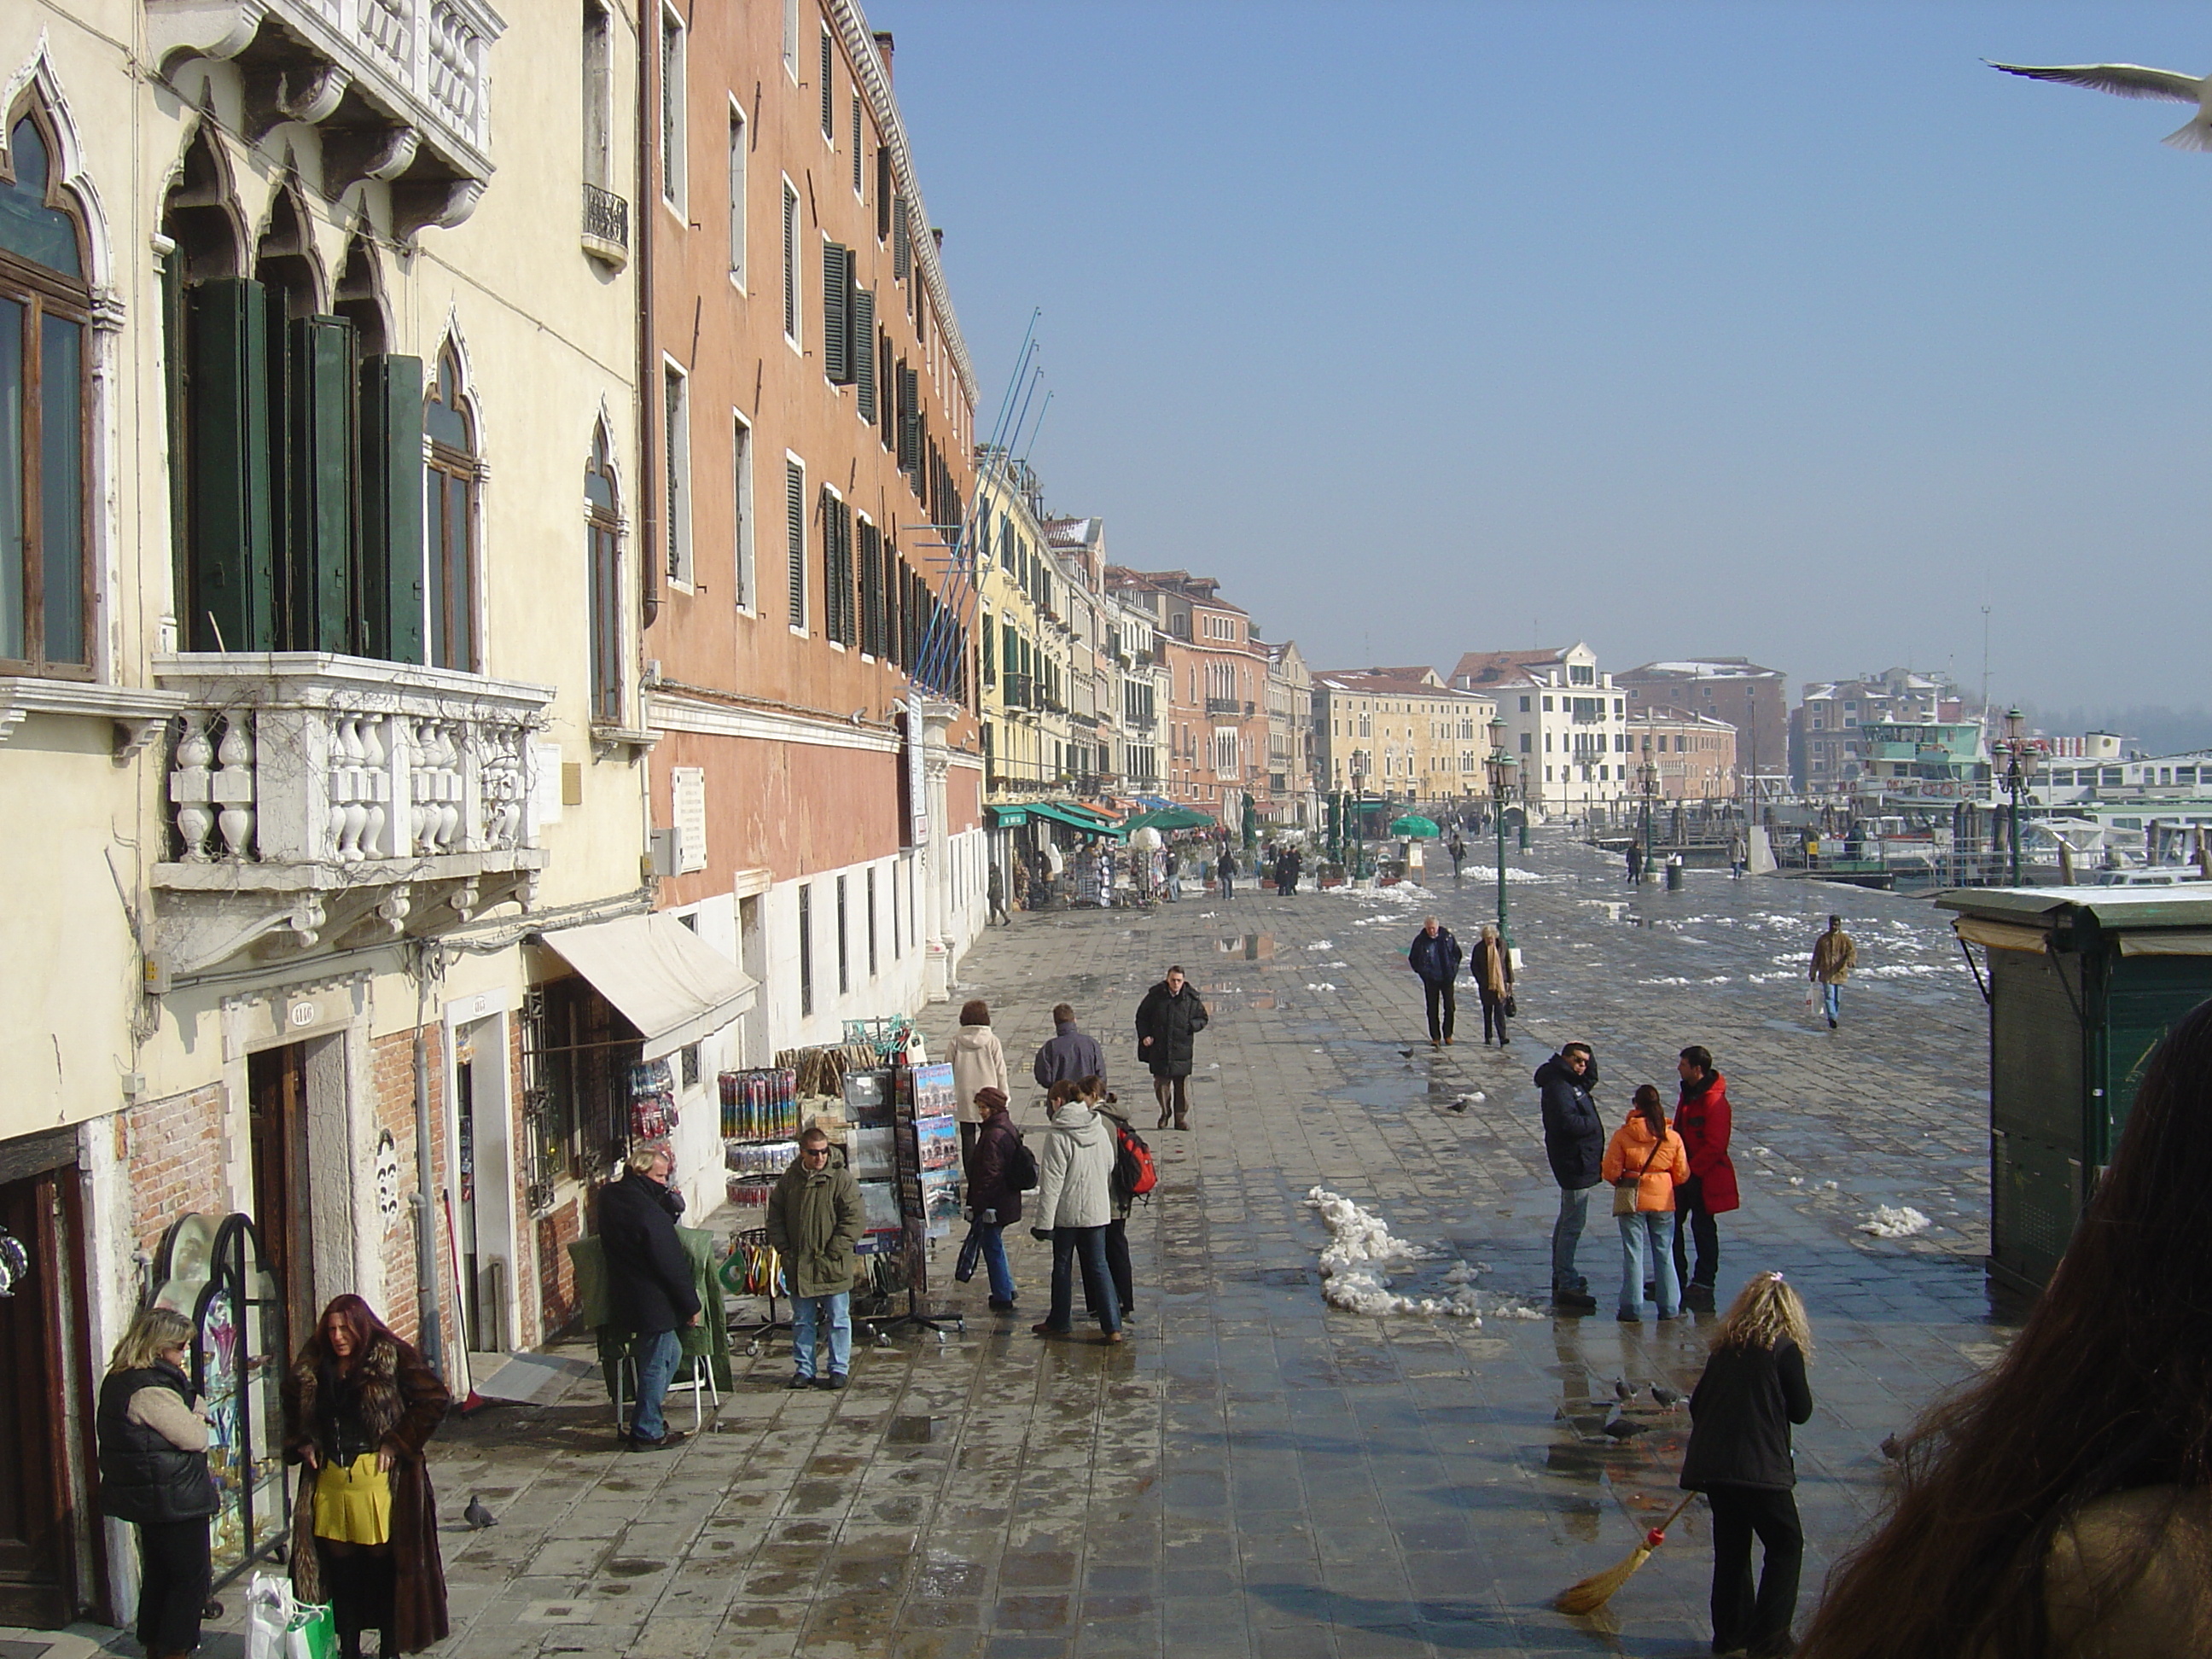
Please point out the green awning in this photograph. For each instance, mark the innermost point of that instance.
(1008, 817)
(1076, 818)
(1168, 819)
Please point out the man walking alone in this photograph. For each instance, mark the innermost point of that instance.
(1834, 956)
(1574, 1142)
(1435, 956)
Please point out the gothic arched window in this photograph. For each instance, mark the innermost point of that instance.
(603, 551)
(46, 419)
(450, 518)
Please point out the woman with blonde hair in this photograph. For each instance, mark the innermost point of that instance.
(1753, 1390)
(153, 1437)
(1645, 1162)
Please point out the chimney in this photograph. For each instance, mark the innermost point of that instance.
(883, 48)
(937, 236)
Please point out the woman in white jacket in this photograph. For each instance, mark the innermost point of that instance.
(1074, 1203)
(978, 1063)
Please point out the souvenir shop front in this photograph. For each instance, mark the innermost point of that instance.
(889, 1115)
(607, 1049)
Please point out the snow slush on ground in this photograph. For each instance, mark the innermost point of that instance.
(1357, 1261)
(1894, 1221)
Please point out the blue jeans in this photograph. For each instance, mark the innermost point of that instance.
(1646, 1256)
(1090, 1244)
(1566, 1233)
(809, 1316)
(658, 1356)
(994, 1261)
(1832, 1001)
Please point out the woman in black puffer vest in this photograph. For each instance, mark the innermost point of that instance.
(154, 1473)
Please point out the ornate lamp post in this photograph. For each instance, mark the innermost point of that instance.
(2019, 766)
(1649, 772)
(1502, 765)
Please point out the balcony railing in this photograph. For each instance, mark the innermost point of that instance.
(1228, 706)
(399, 90)
(606, 226)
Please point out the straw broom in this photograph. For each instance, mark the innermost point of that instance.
(1589, 1594)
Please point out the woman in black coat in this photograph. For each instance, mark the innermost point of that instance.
(1753, 1389)
(1167, 1020)
(996, 1204)
(154, 1473)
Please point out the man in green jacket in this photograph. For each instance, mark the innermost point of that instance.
(814, 1223)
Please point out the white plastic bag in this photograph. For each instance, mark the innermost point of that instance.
(270, 1607)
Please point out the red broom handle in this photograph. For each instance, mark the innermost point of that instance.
(1658, 1535)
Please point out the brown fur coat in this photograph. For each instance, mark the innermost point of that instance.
(402, 1401)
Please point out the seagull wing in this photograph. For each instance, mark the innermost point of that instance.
(2123, 80)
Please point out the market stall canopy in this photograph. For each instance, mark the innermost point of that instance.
(1052, 811)
(1171, 818)
(668, 982)
(1414, 825)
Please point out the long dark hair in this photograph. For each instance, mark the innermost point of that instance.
(2107, 1388)
(1647, 1102)
(358, 1317)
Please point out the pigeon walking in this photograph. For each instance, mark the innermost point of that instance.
(478, 1515)
(1623, 1389)
(1668, 1398)
(2134, 81)
(1621, 1428)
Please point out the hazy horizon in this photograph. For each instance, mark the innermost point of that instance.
(1794, 333)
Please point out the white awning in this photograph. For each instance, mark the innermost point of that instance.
(673, 986)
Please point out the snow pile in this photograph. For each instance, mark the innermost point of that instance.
(1361, 1247)
(1889, 1222)
(1323, 986)
(1323, 945)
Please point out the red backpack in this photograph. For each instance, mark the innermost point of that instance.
(1134, 1173)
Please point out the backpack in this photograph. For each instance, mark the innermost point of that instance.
(1021, 1168)
(1134, 1174)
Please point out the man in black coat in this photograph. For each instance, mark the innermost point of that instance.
(1574, 1142)
(1169, 1020)
(1435, 956)
(650, 1285)
(1071, 1055)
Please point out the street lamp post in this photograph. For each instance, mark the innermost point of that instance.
(2020, 760)
(1359, 827)
(1502, 765)
(1649, 773)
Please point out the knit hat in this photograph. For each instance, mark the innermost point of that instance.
(990, 1099)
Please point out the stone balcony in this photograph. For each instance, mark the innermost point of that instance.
(399, 90)
(313, 799)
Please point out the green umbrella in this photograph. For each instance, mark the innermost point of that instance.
(1168, 819)
(1411, 825)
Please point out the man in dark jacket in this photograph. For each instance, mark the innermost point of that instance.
(1070, 1056)
(649, 1284)
(1574, 1141)
(1169, 1021)
(1435, 956)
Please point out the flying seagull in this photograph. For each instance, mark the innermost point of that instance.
(2133, 80)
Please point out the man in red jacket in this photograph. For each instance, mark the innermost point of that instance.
(1701, 1119)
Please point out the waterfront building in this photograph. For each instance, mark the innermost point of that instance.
(1566, 722)
(1753, 699)
(1402, 733)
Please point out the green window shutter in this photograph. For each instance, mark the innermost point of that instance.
(231, 531)
(909, 418)
(319, 451)
(886, 389)
(829, 86)
(872, 591)
(883, 191)
(901, 242)
(389, 567)
(838, 313)
(794, 503)
(864, 351)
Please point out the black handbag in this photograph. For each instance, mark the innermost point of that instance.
(971, 1252)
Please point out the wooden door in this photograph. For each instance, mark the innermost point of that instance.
(37, 1542)
(276, 1079)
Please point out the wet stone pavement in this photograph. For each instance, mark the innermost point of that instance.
(1254, 1473)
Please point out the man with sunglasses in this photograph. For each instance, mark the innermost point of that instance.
(814, 1225)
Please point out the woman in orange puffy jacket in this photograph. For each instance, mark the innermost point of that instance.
(1646, 1156)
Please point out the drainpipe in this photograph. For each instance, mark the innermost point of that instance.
(648, 381)
(426, 1219)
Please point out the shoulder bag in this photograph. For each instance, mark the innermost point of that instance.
(1624, 1192)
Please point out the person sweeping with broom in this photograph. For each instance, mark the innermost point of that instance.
(1741, 1411)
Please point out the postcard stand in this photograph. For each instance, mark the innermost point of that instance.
(925, 1144)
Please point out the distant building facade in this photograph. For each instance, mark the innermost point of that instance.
(1827, 730)
(1695, 754)
(1401, 734)
(1216, 717)
(1753, 699)
(1566, 723)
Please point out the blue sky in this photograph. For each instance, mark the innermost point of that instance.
(1784, 330)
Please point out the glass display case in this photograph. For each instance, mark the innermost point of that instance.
(211, 1271)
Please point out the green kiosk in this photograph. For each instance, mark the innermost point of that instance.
(2081, 982)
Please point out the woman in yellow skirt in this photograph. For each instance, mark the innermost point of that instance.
(359, 1406)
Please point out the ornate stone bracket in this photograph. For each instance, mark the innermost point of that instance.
(139, 715)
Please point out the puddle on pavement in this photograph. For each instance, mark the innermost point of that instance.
(911, 1430)
(1251, 947)
(633, 1568)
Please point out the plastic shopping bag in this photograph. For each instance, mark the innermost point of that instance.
(268, 1609)
(312, 1634)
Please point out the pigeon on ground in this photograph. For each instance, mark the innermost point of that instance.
(2134, 81)
(1667, 1397)
(478, 1515)
(1621, 1428)
(1623, 1389)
